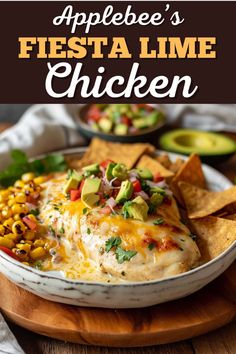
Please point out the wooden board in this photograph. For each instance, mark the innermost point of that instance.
(208, 309)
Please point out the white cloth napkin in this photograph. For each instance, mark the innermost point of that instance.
(41, 129)
(45, 128)
(8, 343)
(212, 117)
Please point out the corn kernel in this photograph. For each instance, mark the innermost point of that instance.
(2, 230)
(6, 242)
(12, 237)
(4, 195)
(23, 246)
(18, 228)
(19, 184)
(38, 253)
(39, 243)
(22, 254)
(20, 198)
(8, 223)
(26, 177)
(19, 209)
(39, 180)
(10, 202)
(29, 235)
(17, 217)
(25, 263)
(6, 212)
(26, 241)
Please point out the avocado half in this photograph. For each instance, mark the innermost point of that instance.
(212, 147)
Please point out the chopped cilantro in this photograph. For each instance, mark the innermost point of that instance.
(35, 212)
(158, 221)
(145, 186)
(38, 265)
(85, 210)
(112, 242)
(123, 255)
(125, 211)
(51, 230)
(20, 165)
(152, 208)
(151, 246)
(88, 231)
(62, 230)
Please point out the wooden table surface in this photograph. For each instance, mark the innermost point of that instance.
(221, 341)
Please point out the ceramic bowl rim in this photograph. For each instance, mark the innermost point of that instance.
(143, 132)
(68, 281)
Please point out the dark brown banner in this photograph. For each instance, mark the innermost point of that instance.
(76, 52)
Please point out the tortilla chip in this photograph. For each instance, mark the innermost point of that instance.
(201, 203)
(177, 165)
(128, 154)
(191, 172)
(214, 235)
(164, 160)
(230, 209)
(230, 217)
(154, 166)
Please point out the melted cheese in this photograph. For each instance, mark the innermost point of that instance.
(81, 241)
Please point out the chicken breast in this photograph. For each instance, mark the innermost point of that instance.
(93, 246)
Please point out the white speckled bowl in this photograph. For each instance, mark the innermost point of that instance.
(52, 286)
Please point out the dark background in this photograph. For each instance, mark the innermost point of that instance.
(23, 80)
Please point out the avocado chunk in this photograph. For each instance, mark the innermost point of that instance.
(121, 129)
(73, 182)
(188, 141)
(138, 209)
(148, 121)
(144, 173)
(156, 199)
(125, 192)
(105, 125)
(120, 171)
(158, 190)
(109, 170)
(90, 188)
(91, 169)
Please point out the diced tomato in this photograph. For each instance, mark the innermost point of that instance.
(81, 187)
(74, 194)
(157, 178)
(106, 210)
(137, 186)
(94, 113)
(102, 200)
(9, 252)
(30, 223)
(105, 163)
(145, 106)
(126, 120)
